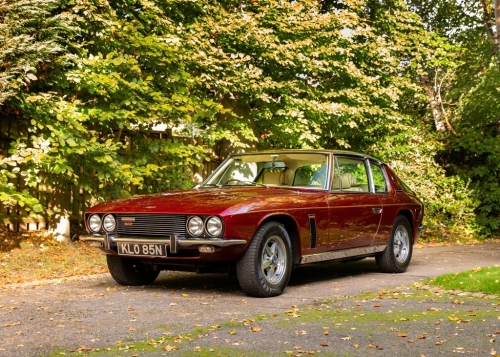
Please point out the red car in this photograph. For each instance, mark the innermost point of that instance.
(262, 214)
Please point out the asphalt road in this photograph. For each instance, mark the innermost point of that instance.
(97, 312)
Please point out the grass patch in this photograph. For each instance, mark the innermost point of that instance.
(32, 256)
(484, 280)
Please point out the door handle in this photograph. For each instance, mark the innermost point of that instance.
(377, 210)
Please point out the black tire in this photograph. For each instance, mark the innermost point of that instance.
(131, 272)
(397, 255)
(264, 269)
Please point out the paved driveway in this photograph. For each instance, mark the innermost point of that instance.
(97, 312)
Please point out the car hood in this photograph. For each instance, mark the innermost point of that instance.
(201, 201)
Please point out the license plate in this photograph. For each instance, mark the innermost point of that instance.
(153, 250)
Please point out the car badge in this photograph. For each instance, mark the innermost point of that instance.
(127, 221)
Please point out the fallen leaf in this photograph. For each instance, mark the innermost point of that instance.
(169, 348)
(402, 335)
(83, 348)
(323, 344)
(256, 329)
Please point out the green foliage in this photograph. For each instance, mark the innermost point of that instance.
(449, 200)
(92, 78)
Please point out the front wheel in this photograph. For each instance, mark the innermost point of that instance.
(265, 268)
(128, 271)
(397, 255)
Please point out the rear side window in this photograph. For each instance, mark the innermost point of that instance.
(379, 180)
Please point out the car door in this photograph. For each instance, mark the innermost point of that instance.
(354, 209)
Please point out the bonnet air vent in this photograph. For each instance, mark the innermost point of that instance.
(312, 230)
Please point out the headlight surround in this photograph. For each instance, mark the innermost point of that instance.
(94, 222)
(213, 226)
(109, 223)
(194, 226)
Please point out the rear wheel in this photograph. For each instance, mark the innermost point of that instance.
(397, 255)
(127, 271)
(265, 268)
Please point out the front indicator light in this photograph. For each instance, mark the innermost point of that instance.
(208, 249)
(195, 226)
(214, 226)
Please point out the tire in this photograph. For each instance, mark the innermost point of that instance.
(264, 269)
(131, 272)
(397, 255)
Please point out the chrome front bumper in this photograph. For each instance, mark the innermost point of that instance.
(106, 241)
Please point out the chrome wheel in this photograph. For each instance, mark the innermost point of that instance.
(265, 267)
(401, 244)
(273, 262)
(397, 255)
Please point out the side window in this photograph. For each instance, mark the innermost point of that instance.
(352, 175)
(378, 178)
(311, 176)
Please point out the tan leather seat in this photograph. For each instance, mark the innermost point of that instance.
(349, 182)
(273, 178)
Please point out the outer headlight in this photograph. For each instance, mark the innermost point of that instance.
(214, 226)
(195, 226)
(94, 223)
(109, 223)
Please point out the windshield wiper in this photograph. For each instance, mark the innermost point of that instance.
(209, 185)
(243, 183)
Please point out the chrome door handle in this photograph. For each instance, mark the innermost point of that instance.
(377, 210)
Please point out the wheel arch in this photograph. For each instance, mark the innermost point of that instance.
(291, 227)
(409, 216)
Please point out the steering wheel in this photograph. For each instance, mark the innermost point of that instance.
(231, 180)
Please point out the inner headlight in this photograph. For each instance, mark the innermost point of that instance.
(214, 226)
(94, 223)
(109, 223)
(195, 226)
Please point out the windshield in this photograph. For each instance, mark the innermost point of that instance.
(307, 170)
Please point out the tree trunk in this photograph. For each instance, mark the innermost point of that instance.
(497, 22)
(437, 115)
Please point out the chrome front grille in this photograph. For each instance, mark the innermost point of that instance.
(151, 225)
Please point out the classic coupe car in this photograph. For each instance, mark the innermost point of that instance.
(261, 214)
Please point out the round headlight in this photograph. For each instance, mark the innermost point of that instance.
(195, 226)
(94, 223)
(214, 226)
(109, 223)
